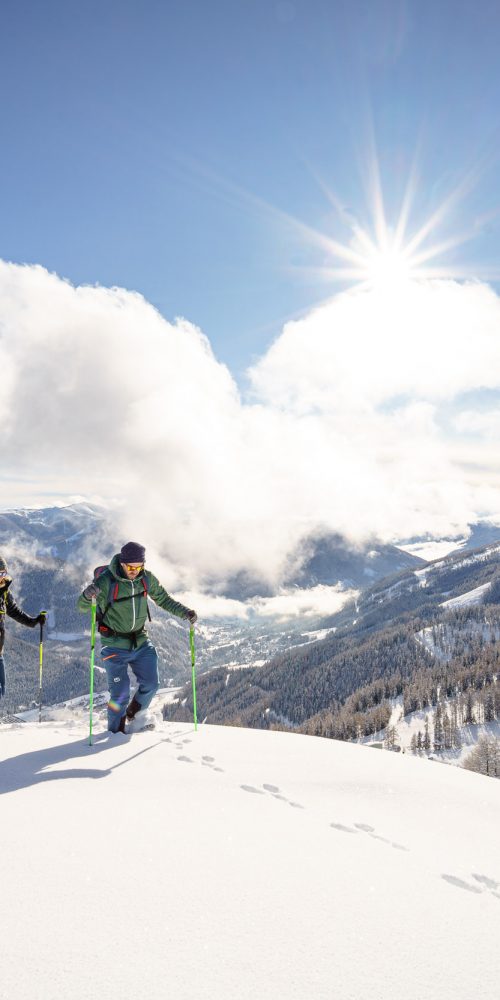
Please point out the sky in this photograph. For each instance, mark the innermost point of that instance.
(249, 268)
(274, 863)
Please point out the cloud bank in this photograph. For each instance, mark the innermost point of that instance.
(374, 415)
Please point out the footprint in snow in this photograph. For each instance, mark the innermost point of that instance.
(275, 792)
(370, 830)
(460, 884)
(186, 760)
(486, 881)
(250, 788)
(210, 762)
(485, 884)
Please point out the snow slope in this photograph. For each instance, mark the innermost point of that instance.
(230, 862)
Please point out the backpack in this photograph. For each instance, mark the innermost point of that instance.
(104, 629)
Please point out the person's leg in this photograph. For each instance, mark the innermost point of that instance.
(2, 675)
(144, 664)
(116, 663)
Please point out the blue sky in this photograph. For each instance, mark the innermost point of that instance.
(221, 159)
(142, 142)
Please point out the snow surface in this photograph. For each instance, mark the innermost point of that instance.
(411, 724)
(229, 862)
(441, 639)
(470, 598)
(432, 550)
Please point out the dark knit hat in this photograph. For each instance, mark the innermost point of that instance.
(132, 552)
(3, 564)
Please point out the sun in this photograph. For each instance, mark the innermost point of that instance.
(385, 256)
(388, 268)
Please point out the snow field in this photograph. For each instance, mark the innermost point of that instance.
(271, 865)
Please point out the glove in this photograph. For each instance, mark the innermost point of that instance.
(90, 591)
(192, 616)
(42, 617)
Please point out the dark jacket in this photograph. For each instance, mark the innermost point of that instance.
(127, 613)
(9, 607)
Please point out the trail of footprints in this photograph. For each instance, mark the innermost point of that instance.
(482, 883)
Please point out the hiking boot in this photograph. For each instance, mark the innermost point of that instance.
(133, 709)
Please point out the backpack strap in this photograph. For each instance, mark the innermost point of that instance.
(112, 592)
(145, 589)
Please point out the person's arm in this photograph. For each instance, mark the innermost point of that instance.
(84, 602)
(165, 601)
(18, 615)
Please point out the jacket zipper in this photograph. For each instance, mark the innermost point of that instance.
(133, 604)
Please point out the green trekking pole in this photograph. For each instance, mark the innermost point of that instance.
(92, 655)
(191, 643)
(42, 623)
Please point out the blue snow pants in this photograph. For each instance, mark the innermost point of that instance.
(144, 665)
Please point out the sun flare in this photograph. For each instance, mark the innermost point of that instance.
(388, 256)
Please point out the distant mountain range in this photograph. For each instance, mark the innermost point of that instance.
(81, 533)
(422, 635)
(49, 552)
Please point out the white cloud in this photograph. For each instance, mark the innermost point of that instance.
(484, 423)
(287, 603)
(343, 431)
(427, 340)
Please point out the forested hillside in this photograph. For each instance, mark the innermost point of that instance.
(428, 638)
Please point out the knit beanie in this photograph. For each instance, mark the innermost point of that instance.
(132, 552)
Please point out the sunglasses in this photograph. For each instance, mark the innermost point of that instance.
(131, 568)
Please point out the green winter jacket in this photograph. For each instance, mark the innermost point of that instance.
(128, 617)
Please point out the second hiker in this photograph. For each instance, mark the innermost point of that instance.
(9, 607)
(121, 591)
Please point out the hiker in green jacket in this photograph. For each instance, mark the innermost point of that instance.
(121, 591)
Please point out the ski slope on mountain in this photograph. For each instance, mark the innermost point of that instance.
(229, 862)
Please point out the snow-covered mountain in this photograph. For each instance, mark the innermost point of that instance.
(50, 552)
(225, 861)
(463, 577)
(426, 634)
(59, 532)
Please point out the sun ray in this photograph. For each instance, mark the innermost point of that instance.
(378, 254)
(404, 215)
